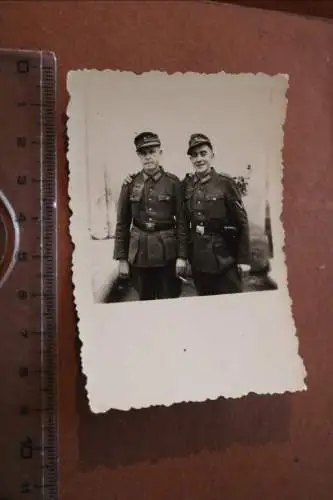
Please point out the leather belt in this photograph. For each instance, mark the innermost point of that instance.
(207, 228)
(153, 226)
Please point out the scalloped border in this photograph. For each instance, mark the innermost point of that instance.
(278, 228)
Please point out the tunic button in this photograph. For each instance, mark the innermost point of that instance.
(150, 209)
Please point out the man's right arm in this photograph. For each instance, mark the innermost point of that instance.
(238, 216)
(124, 219)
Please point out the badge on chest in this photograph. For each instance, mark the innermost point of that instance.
(150, 226)
(200, 230)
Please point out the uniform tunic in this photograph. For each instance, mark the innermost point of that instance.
(151, 227)
(218, 224)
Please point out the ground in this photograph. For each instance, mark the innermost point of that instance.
(124, 292)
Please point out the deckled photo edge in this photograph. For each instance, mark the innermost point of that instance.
(277, 197)
(78, 219)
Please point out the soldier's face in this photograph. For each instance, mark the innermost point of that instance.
(150, 158)
(201, 158)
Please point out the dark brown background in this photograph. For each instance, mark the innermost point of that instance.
(270, 447)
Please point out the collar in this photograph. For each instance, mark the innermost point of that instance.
(206, 178)
(154, 177)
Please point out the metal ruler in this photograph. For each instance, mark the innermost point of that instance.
(28, 276)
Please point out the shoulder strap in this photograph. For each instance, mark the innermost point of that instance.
(130, 178)
(227, 177)
(172, 176)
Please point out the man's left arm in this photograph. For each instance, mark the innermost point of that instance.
(181, 225)
(240, 219)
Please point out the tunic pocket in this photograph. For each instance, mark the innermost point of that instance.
(165, 205)
(215, 205)
(135, 198)
(222, 255)
(170, 245)
(214, 196)
(203, 257)
(164, 197)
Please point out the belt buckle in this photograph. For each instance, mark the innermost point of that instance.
(150, 226)
(200, 230)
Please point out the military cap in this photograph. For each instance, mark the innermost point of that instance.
(145, 140)
(198, 140)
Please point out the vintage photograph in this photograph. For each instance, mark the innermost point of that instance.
(176, 198)
(191, 236)
(178, 207)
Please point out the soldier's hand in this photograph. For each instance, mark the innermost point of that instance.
(180, 266)
(245, 268)
(124, 269)
(129, 179)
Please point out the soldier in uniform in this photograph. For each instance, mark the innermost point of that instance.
(219, 247)
(150, 236)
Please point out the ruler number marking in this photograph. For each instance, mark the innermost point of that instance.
(22, 256)
(21, 217)
(26, 487)
(23, 66)
(21, 142)
(22, 294)
(26, 448)
(21, 180)
(24, 333)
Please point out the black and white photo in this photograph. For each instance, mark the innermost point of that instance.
(178, 237)
(179, 273)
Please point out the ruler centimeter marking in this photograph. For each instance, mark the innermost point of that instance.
(28, 293)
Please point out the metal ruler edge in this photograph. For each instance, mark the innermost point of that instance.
(49, 262)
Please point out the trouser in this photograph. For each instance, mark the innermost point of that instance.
(230, 281)
(156, 282)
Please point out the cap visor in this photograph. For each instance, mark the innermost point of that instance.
(148, 145)
(203, 143)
